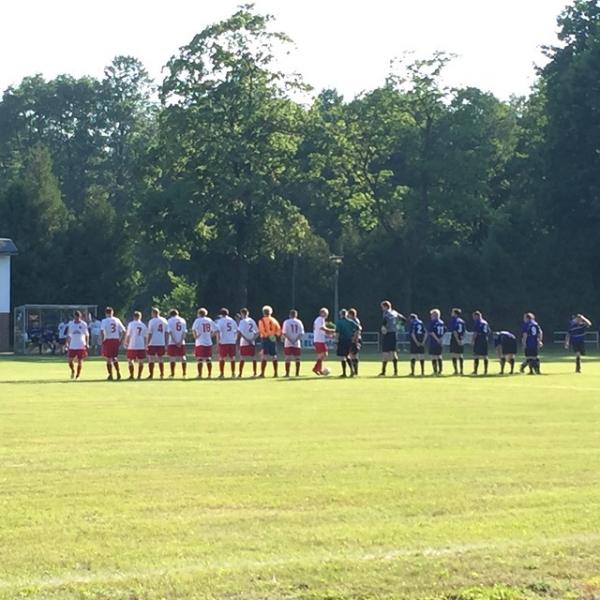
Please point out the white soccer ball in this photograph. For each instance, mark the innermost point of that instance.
(326, 372)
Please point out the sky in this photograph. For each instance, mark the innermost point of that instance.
(340, 44)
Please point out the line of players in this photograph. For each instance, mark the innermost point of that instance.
(165, 338)
(427, 340)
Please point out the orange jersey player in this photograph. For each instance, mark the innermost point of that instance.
(269, 330)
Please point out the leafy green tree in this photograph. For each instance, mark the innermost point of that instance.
(33, 214)
(230, 134)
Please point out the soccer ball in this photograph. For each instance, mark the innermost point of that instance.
(326, 372)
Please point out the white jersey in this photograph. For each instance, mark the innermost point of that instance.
(248, 330)
(319, 335)
(228, 330)
(136, 334)
(62, 331)
(77, 333)
(157, 331)
(112, 328)
(204, 328)
(293, 330)
(177, 328)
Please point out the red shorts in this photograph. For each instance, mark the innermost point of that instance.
(175, 351)
(320, 347)
(248, 350)
(136, 354)
(110, 348)
(292, 351)
(156, 350)
(80, 354)
(203, 351)
(226, 350)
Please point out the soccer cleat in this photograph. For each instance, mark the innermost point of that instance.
(381, 375)
(130, 378)
(316, 372)
(109, 378)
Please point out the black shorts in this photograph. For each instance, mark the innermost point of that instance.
(388, 344)
(455, 347)
(509, 347)
(481, 347)
(578, 346)
(344, 347)
(415, 348)
(269, 347)
(531, 352)
(435, 349)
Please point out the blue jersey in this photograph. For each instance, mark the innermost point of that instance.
(502, 336)
(437, 327)
(457, 325)
(533, 331)
(481, 328)
(577, 331)
(417, 328)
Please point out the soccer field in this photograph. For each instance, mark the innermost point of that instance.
(317, 488)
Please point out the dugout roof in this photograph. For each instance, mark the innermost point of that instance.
(7, 247)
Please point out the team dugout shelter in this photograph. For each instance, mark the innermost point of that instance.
(36, 325)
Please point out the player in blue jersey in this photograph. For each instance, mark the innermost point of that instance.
(576, 338)
(418, 336)
(506, 347)
(481, 332)
(532, 340)
(457, 341)
(435, 335)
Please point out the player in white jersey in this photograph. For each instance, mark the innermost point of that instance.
(204, 329)
(321, 331)
(112, 332)
(248, 333)
(177, 330)
(136, 340)
(78, 339)
(157, 342)
(227, 333)
(292, 331)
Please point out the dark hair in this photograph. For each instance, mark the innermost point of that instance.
(352, 312)
(457, 312)
(137, 314)
(109, 310)
(293, 313)
(77, 314)
(224, 312)
(477, 314)
(414, 316)
(386, 304)
(173, 312)
(155, 310)
(244, 311)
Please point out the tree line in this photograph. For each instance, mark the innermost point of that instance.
(231, 183)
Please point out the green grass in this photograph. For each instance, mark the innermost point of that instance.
(438, 488)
